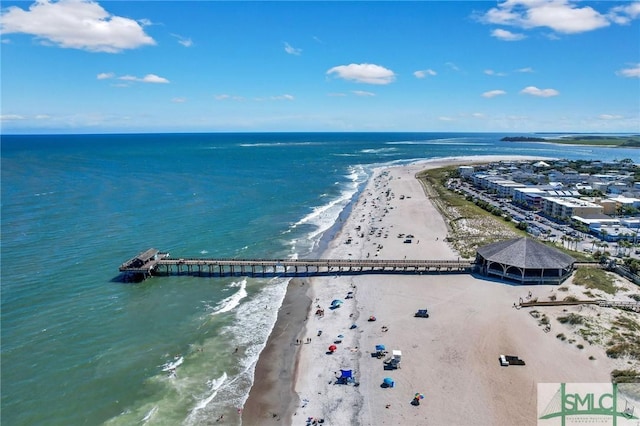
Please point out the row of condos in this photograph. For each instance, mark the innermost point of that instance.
(553, 199)
(504, 178)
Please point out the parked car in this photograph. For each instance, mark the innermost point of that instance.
(422, 313)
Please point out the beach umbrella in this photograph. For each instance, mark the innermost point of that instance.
(333, 348)
(380, 347)
(336, 303)
(388, 381)
(340, 336)
(418, 396)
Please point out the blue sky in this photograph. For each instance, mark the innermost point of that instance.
(76, 66)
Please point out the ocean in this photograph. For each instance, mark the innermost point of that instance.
(81, 347)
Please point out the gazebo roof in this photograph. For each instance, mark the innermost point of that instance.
(525, 253)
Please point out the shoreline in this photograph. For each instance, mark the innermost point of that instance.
(313, 375)
(272, 398)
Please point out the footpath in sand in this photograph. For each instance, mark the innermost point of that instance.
(451, 357)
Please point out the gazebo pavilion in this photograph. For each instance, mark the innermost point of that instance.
(525, 261)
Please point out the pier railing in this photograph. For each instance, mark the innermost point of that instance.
(162, 264)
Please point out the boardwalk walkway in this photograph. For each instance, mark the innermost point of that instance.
(629, 306)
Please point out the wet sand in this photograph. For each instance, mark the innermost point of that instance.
(272, 398)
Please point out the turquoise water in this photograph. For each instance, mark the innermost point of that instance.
(81, 347)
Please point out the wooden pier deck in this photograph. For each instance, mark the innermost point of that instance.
(155, 263)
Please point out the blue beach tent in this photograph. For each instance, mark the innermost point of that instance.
(346, 374)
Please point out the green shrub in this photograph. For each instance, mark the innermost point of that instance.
(572, 319)
(625, 376)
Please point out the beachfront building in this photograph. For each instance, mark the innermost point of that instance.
(564, 208)
(525, 261)
(594, 222)
(614, 232)
(628, 202)
(466, 171)
(609, 206)
(529, 196)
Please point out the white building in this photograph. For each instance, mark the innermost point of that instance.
(567, 207)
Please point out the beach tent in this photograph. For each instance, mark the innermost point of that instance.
(380, 351)
(346, 374)
(346, 377)
(336, 303)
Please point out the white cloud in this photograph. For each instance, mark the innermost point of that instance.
(364, 73)
(43, 117)
(11, 117)
(610, 117)
(336, 94)
(543, 93)
(362, 93)
(526, 69)
(562, 16)
(452, 66)
(224, 97)
(506, 35)
(291, 50)
(75, 24)
(185, 41)
(630, 72)
(179, 100)
(152, 78)
(478, 115)
(105, 75)
(149, 78)
(283, 98)
(622, 15)
(493, 93)
(424, 73)
(446, 119)
(492, 72)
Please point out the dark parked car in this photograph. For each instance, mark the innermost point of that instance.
(422, 313)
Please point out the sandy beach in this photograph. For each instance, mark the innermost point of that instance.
(451, 358)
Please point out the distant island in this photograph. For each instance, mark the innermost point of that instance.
(523, 139)
(626, 141)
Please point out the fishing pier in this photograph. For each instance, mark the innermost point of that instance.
(155, 263)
